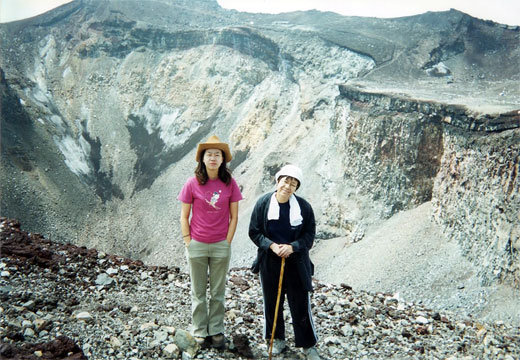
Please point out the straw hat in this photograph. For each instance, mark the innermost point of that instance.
(214, 142)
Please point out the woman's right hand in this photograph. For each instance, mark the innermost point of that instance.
(283, 251)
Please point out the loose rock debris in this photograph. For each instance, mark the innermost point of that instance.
(61, 301)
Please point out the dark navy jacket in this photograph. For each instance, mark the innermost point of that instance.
(304, 238)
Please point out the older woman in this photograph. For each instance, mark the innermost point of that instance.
(211, 196)
(282, 226)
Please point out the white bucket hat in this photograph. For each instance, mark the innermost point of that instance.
(290, 170)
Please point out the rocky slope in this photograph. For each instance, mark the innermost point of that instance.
(60, 301)
(103, 103)
(408, 254)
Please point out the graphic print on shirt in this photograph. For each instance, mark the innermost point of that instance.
(214, 199)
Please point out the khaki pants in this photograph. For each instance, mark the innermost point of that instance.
(208, 262)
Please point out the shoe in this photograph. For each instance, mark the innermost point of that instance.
(199, 340)
(311, 353)
(279, 346)
(218, 341)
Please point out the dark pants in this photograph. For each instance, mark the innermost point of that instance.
(297, 297)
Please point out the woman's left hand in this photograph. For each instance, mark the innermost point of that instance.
(285, 250)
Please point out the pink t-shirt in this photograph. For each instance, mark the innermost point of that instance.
(210, 207)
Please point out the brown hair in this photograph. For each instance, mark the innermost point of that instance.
(224, 174)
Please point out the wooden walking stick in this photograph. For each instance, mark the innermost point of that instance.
(276, 309)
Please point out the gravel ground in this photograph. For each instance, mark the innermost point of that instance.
(59, 301)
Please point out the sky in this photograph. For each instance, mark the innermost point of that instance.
(501, 11)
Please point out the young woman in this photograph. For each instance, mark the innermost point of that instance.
(211, 196)
(283, 226)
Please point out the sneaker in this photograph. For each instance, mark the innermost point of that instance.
(279, 346)
(218, 341)
(199, 340)
(311, 353)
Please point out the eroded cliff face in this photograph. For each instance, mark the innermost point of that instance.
(466, 164)
(476, 200)
(104, 102)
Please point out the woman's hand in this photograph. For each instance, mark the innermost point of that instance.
(185, 224)
(283, 250)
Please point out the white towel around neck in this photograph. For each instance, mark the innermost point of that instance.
(295, 215)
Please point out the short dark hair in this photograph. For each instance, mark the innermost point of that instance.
(287, 176)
